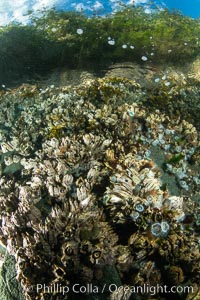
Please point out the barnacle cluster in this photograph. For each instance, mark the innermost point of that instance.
(178, 99)
(82, 199)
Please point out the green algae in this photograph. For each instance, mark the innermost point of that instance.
(168, 180)
(56, 131)
(12, 169)
(44, 49)
(10, 288)
(175, 159)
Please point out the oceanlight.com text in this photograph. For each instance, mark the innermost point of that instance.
(111, 288)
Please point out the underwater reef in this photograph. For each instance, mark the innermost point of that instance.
(99, 184)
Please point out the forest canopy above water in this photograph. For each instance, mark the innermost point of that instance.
(73, 40)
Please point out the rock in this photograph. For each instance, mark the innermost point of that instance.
(142, 75)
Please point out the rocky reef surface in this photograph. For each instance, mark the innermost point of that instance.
(99, 184)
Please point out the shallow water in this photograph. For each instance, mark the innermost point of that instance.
(99, 156)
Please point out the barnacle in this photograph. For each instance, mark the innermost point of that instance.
(175, 275)
(160, 229)
(91, 193)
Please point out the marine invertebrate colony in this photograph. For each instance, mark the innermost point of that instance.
(89, 204)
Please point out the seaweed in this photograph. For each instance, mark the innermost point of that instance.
(52, 40)
(174, 160)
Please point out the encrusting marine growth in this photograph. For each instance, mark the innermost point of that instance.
(82, 199)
